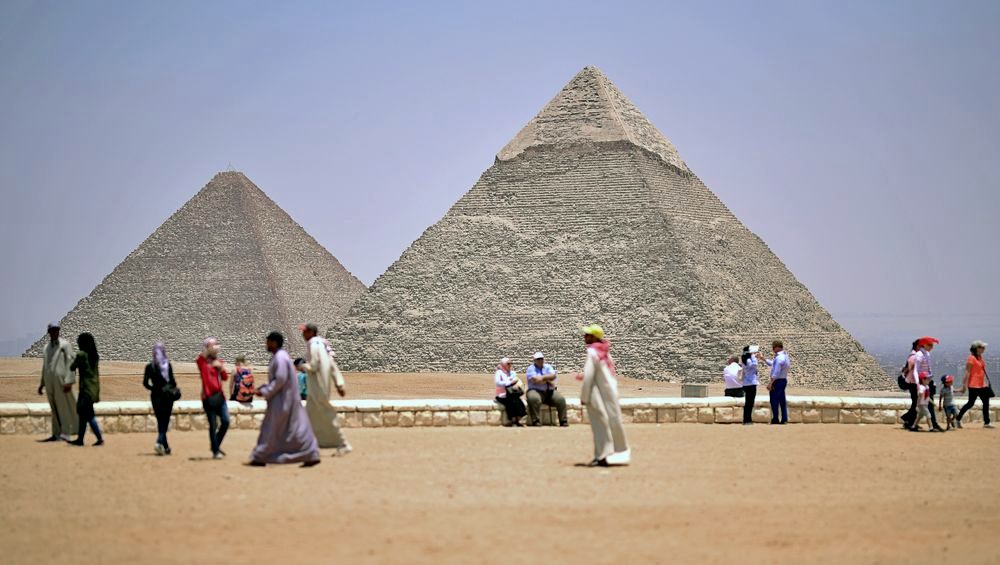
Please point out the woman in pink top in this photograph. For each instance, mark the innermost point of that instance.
(977, 382)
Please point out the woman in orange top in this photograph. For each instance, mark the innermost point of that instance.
(976, 382)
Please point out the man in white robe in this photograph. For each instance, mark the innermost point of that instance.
(57, 383)
(321, 370)
(600, 396)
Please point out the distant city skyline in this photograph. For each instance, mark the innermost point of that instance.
(857, 139)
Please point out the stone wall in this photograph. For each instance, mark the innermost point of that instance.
(137, 417)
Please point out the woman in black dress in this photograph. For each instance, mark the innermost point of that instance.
(159, 381)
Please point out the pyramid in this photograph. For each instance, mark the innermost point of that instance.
(230, 264)
(590, 215)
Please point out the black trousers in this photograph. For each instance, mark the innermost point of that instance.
(85, 412)
(911, 414)
(162, 408)
(982, 394)
(734, 392)
(513, 406)
(750, 393)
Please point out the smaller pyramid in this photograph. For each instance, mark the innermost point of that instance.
(229, 264)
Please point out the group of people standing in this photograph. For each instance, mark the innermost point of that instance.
(741, 378)
(71, 413)
(917, 377)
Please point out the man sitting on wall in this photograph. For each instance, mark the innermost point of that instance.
(542, 390)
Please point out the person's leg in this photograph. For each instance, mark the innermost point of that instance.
(984, 395)
(534, 403)
(750, 394)
(161, 421)
(612, 407)
(224, 425)
(212, 416)
(968, 405)
(96, 429)
(599, 426)
(81, 413)
(782, 386)
(772, 396)
(560, 403)
(911, 413)
(933, 415)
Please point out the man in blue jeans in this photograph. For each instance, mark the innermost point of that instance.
(779, 380)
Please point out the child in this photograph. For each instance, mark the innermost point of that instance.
(947, 402)
(242, 382)
(300, 367)
(923, 398)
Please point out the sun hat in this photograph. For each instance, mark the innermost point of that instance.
(594, 330)
(926, 340)
(53, 325)
(979, 343)
(753, 349)
(505, 360)
(538, 355)
(947, 379)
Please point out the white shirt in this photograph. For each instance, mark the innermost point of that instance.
(731, 374)
(503, 381)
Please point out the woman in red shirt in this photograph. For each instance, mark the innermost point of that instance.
(213, 372)
(977, 382)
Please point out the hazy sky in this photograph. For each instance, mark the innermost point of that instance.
(858, 139)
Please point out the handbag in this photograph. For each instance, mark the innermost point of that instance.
(172, 392)
(515, 389)
(215, 401)
(989, 386)
(901, 381)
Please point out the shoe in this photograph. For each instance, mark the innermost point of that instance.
(620, 458)
(342, 451)
(99, 442)
(255, 464)
(563, 424)
(219, 455)
(48, 439)
(76, 442)
(517, 424)
(536, 424)
(989, 426)
(598, 463)
(958, 424)
(311, 463)
(938, 429)
(166, 451)
(747, 423)
(222, 452)
(159, 449)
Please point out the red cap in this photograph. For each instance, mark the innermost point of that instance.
(926, 340)
(925, 375)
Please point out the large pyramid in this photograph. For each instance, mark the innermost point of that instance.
(231, 264)
(590, 215)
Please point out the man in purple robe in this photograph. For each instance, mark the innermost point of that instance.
(285, 435)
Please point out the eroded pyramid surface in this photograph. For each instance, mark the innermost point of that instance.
(230, 264)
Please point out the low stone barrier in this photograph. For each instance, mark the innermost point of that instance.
(137, 416)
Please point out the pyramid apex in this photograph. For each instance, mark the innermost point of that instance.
(591, 109)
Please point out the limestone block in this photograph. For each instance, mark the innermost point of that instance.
(353, 420)
(573, 415)
(727, 415)
(258, 421)
(666, 415)
(390, 419)
(406, 419)
(138, 423)
(628, 415)
(424, 418)
(888, 416)
(687, 415)
(493, 418)
(812, 415)
(850, 416)
(458, 418)
(477, 417)
(830, 415)
(41, 424)
(7, 426)
(440, 418)
(871, 416)
(761, 415)
(13, 409)
(24, 425)
(371, 419)
(245, 421)
(584, 416)
(706, 416)
(182, 422)
(794, 415)
(974, 415)
(644, 416)
(199, 422)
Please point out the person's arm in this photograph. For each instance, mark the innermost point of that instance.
(278, 381)
(41, 380)
(338, 377)
(147, 377)
(965, 380)
(551, 376)
(68, 379)
(533, 375)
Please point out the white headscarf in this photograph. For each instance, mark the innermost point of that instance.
(160, 358)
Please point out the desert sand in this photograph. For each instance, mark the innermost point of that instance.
(694, 493)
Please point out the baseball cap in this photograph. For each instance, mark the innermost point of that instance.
(538, 355)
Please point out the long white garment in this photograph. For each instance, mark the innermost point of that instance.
(321, 370)
(600, 394)
(56, 360)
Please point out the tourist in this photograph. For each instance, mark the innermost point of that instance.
(779, 381)
(748, 361)
(85, 364)
(732, 376)
(910, 378)
(321, 367)
(285, 434)
(542, 389)
(158, 379)
(302, 378)
(946, 403)
(509, 391)
(922, 364)
(600, 396)
(213, 372)
(57, 382)
(242, 384)
(977, 383)
(923, 400)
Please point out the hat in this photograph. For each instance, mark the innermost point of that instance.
(924, 375)
(926, 340)
(979, 343)
(53, 325)
(505, 360)
(947, 379)
(538, 355)
(594, 330)
(753, 349)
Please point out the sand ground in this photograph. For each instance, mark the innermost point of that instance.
(712, 494)
(123, 381)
